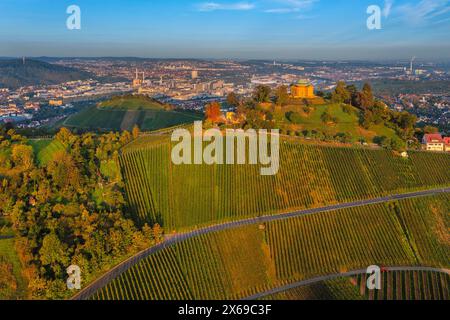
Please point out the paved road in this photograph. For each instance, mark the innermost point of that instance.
(6, 237)
(124, 266)
(338, 275)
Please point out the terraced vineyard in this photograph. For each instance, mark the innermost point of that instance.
(186, 196)
(396, 285)
(241, 262)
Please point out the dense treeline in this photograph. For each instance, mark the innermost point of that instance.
(68, 210)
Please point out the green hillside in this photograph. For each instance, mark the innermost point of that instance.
(124, 112)
(238, 263)
(15, 74)
(344, 119)
(186, 196)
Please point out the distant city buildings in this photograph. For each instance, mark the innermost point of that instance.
(178, 82)
(56, 103)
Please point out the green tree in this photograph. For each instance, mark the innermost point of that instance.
(261, 94)
(233, 100)
(281, 95)
(327, 118)
(341, 94)
(430, 129)
(54, 253)
(22, 156)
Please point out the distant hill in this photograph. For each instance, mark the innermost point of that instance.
(15, 74)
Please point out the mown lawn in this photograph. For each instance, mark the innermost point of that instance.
(45, 148)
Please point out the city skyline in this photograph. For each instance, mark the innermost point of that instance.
(268, 29)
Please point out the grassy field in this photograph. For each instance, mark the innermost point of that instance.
(12, 283)
(241, 262)
(397, 285)
(309, 176)
(45, 148)
(345, 122)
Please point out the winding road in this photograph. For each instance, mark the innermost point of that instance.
(171, 240)
(338, 275)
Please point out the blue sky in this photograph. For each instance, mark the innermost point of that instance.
(272, 29)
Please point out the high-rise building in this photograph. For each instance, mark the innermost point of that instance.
(194, 74)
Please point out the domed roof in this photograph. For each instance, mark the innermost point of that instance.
(303, 82)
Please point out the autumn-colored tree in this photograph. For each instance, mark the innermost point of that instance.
(281, 95)
(22, 156)
(233, 100)
(366, 96)
(63, 170)
(157, 232)
(135, 133)
(64, 136)
(213, 112)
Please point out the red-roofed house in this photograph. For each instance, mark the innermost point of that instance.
(433, 142)
(447, 144)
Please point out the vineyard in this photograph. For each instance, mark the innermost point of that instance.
(117, 119)
(188, 196)
(237, 263)
(396, 285)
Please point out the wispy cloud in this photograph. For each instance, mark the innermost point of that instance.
(215, 6)
(423, 11)
(387, 7)
(290, 6)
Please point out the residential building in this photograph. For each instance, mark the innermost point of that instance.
(433, 142)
